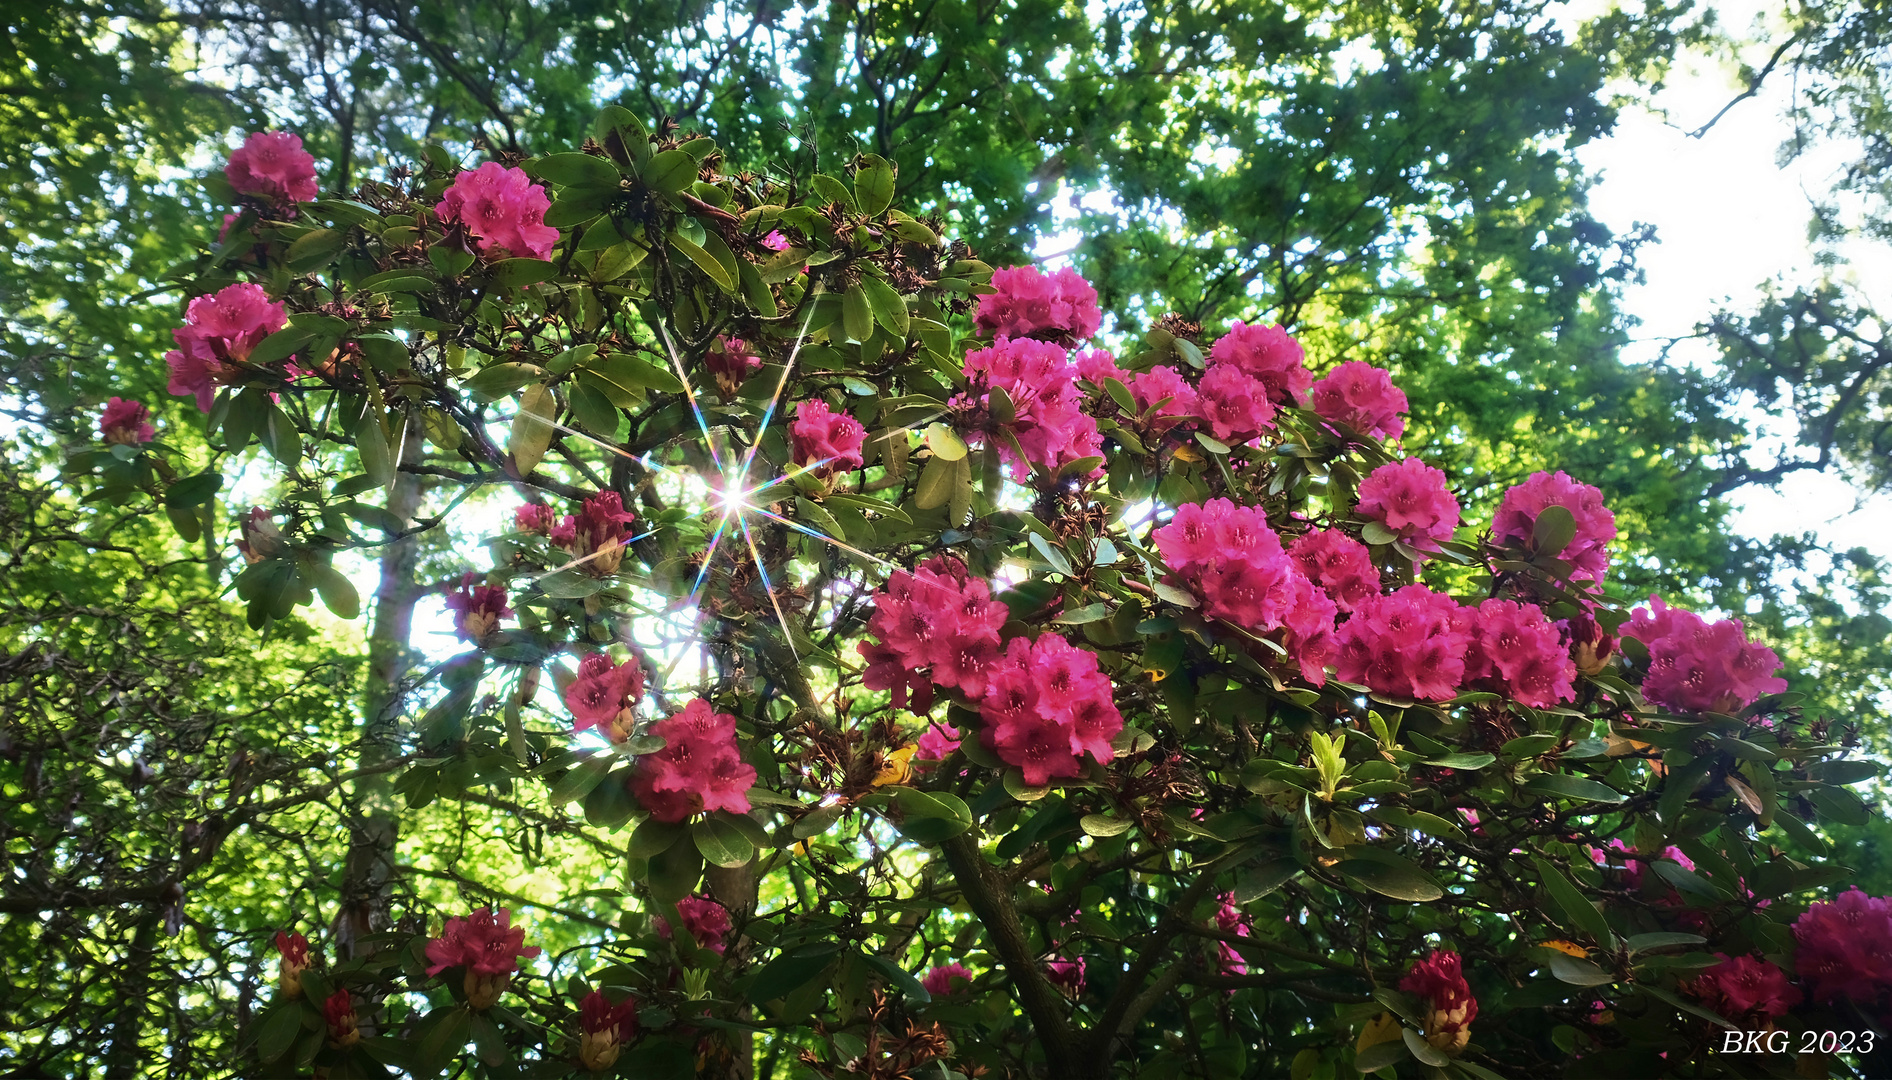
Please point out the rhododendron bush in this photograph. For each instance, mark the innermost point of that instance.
(965, 692)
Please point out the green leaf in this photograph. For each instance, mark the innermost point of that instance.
(935, 485)
(314, 248)
(578, 782)
(1581, 914)
(622, 134)
(278, 1030)
(512, 273)
(371, 442)
(674, 873)
(704, 261)
(1401, 818)
(1577, 972)
(1089, 613)
(1380, 1056)
(857, 315)
(652, 836)
(722, 843)
(1051, 555)
(532, 429)
(280, 345)
(337, 591)
(671, 171)
(1468, 762)
(1375, 533)
(576, 170)
(931, 816)
(1556, 527)
(593, 410)
(1104, 825)
(1264, 879)
(1661, 939)
(193, 490)
(873, 184)
(1391, 875)
(792, 970)
(890, 309)
(818, 822)
(1421, 1049)
(1562, 786)
(636, 373)
(945, 442)
(495, 381)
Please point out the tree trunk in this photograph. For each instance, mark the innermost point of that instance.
(367, 877)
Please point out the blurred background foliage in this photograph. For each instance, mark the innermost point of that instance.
(1396, 181)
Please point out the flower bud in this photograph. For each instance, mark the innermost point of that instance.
(603, 1029)
(294, 960)
(483, 991)
(1590, 647)
(260, 538)
(343, 1028)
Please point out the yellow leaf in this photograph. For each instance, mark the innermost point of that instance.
(1190, 454)
(1565, 947)
(1382, 1028)
(898, 768)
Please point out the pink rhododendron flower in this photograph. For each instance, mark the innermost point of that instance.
(1066, 975)
(1060, 306)
(1311, 640)
(220, 330)
(1048, 417)
(485, 942)
(1230, 920)
(1228, 555)
(1699, 666)
(1845, 947)
(936, 743)
(1451, 1008)
(126, 423)
(272, 165)
(731, 361)
(1269, 356)
(1165, 384)
(344, 1027)
(1363, 398)
(533, 517)
(605, 695)
(824, 442)
(939, 980)
(1516, 519)
(775, 241)
(258, 538)
(1746, 989)
(1096, 365)
(1046, 705)
(705, 919)
(1235, 404)
(503, 209)
(1412, 500)
(1339, 564)
(477, 609)
(291, 961)
(936, 625)
(603, 1029)
(1516, 651)
(597, 534)
(1410, 643)
(1632, 862)
(698, 769)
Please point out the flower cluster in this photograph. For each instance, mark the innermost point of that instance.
(1450, 1006)
(273, 166)
(1311, 638)
(1411, 499)
(1515, 650)
(938, 626)
(1632, 860)
(1361, 398)
(126, 423)
(605, 695)
(292, 960)
(1059, 306)
(488, 946)
(477, 609)
(1067, 976)
(939, 980)
(1164, 389)
(826, 443)
(1516, 520)
(503, 210)
(1409, 643)
(1845, 947)
(1228, 555)
(533, 517)
(603, 1029)
(730, 362)
(1747, 989)
(1252, 371)
(699, 767)
(705, 919)
(1339, 564)
(1701, 666)
(1046, 705)
(936, 743)
(220, 330)
(1048, 418)
(597, 534)
(1269, 356)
